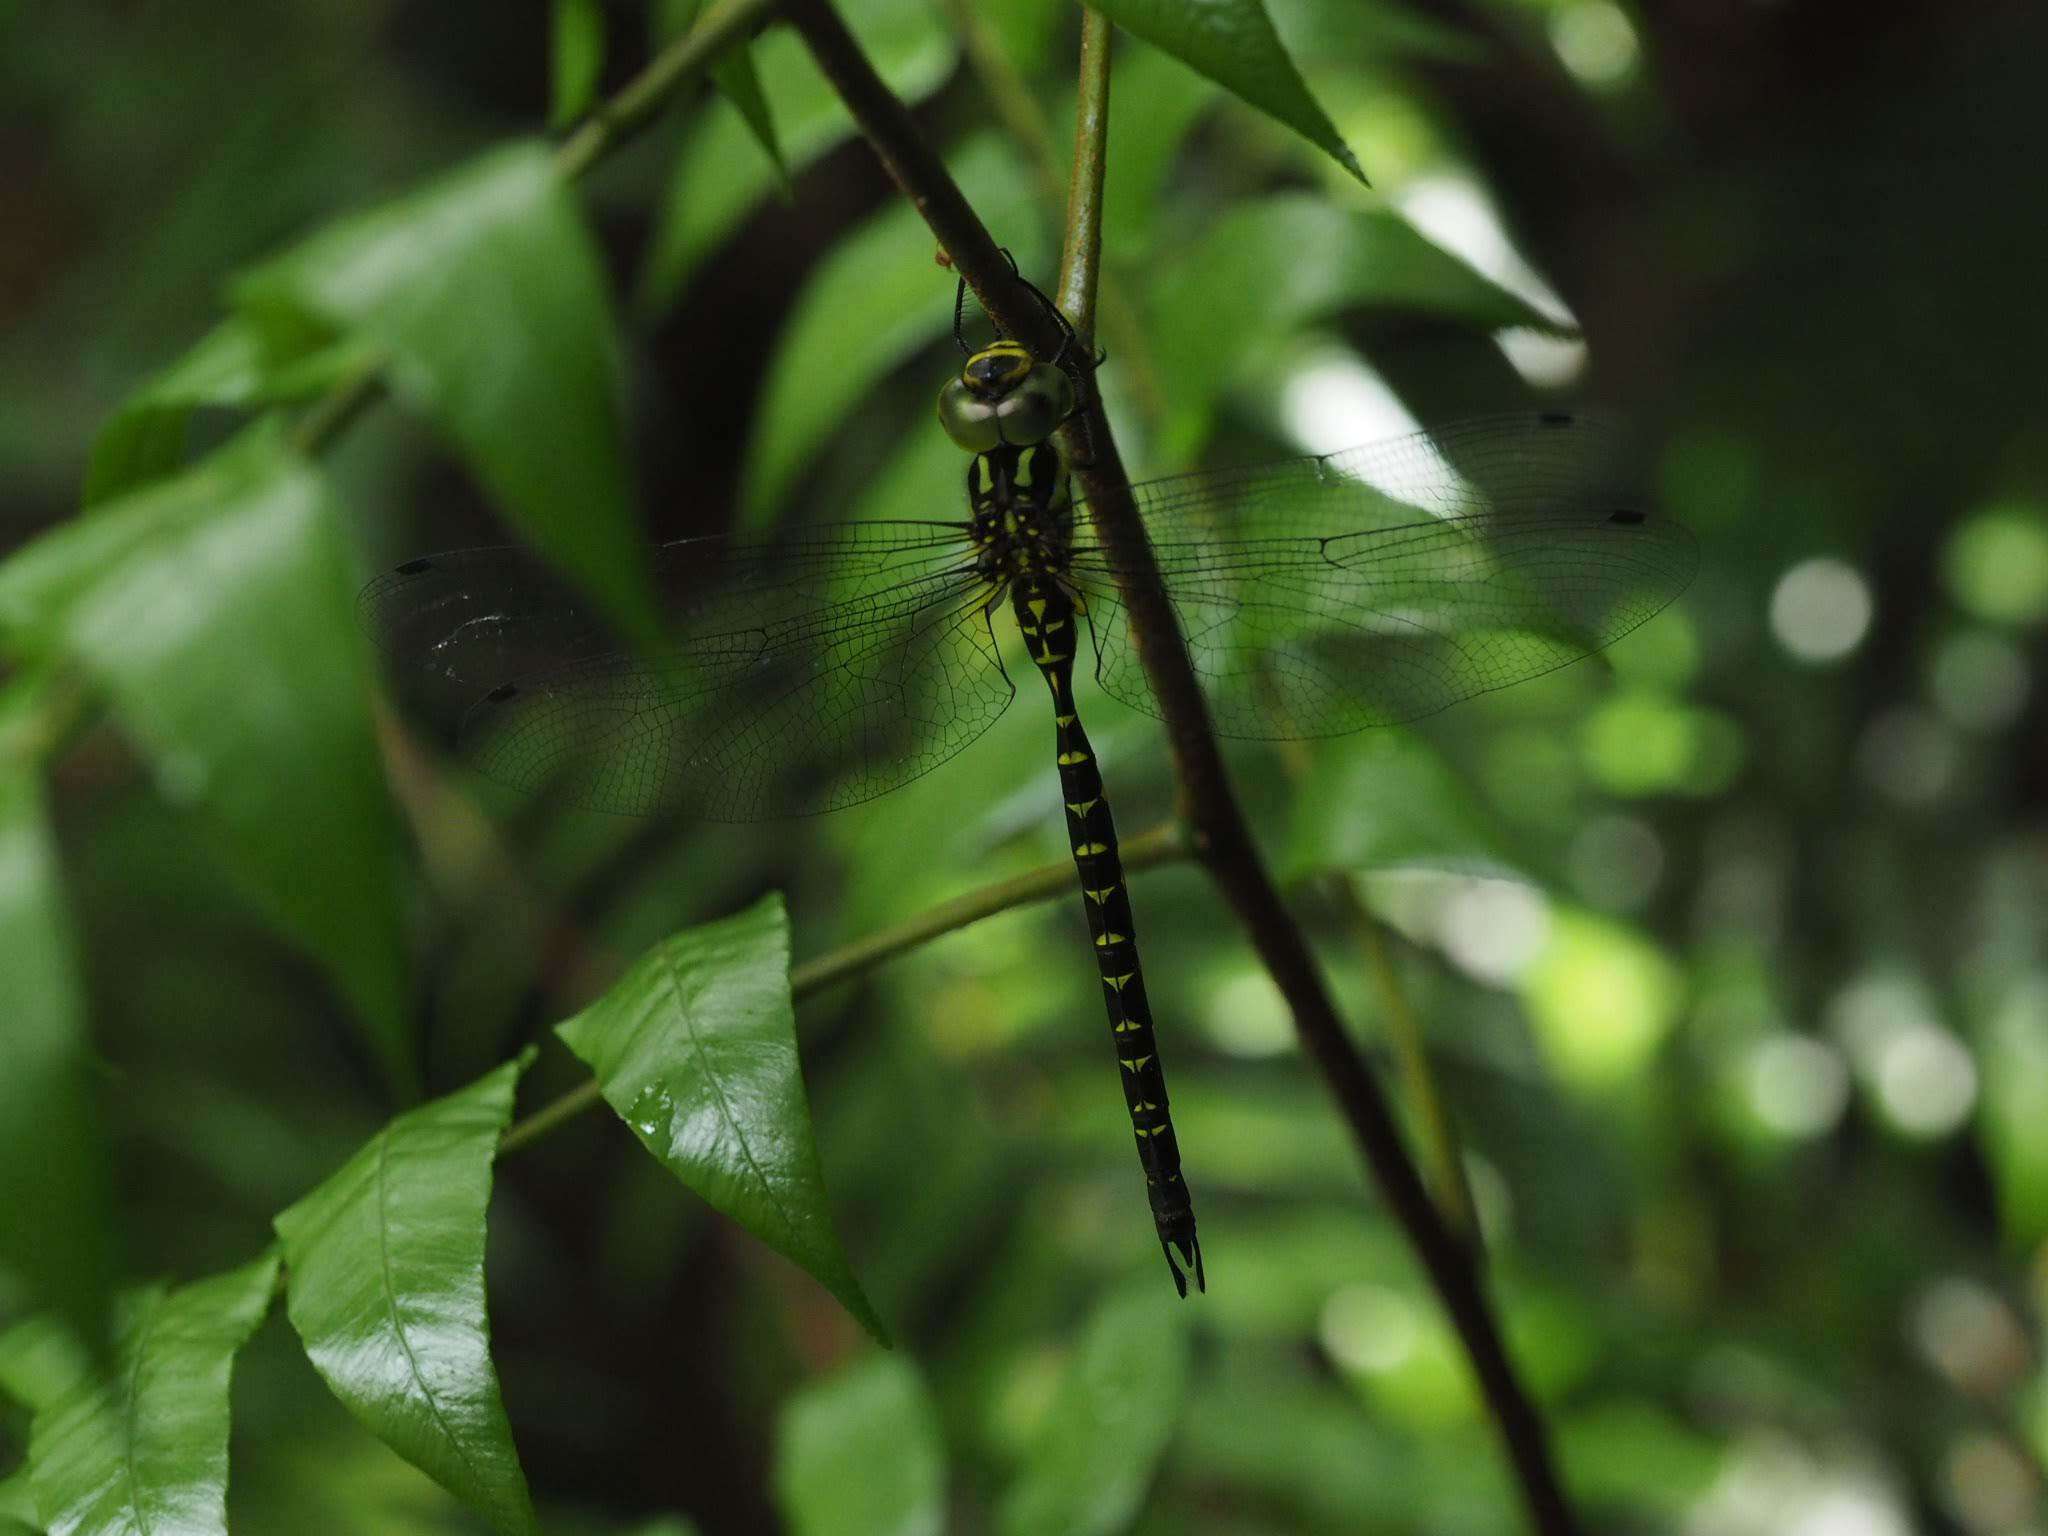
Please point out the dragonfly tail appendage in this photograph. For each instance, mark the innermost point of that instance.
(1046, 614)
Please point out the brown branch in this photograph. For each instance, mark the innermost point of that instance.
(1208, 804)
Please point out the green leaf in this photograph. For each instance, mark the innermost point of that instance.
(718, 178)
(873, 303)
(736, 77)
(1272, 266)
(576, 59)
(1234, 44)
(1386, 798)
(18, 1510)
(696, 1049)
(54, 1195)
(217, 612)
(740, 83)
(1108, 1425)
(146, 1450)
(41, 1360)
(386, 1289)
(487, 294)
(860, 1455)
(229, 368)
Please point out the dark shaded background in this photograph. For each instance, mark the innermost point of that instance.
(1759, 1110)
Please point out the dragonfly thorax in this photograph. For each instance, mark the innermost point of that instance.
(1002, 395)
(1020, 525)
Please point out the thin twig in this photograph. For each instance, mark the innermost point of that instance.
(1208, 804)
(1411, 1055)
(619, 117)
(1081, 252)
(1159, 845)
(1440, 1145)
(1019, 113)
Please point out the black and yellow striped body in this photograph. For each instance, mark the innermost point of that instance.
(1020, 526)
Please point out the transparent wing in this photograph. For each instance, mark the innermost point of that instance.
(1323, 595)
(793, 678)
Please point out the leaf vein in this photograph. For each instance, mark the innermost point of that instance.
(397, 1319)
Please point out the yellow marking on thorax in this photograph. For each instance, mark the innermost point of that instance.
(1070, 759)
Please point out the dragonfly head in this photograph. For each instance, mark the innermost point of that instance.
(1003, 395)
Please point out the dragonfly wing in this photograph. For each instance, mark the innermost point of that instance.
(792, 678)
(1324, 595)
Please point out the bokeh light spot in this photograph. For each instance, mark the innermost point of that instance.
(1926, 1082)
(1990, 1485)
(1639, 743)
(1798, 1087)
(1369, 1328)
(1602, 998)
(1596, 41)
(1821, 610)
(1247, 1017)
(1970, 1335)
(1491, 929)
(1996, 564)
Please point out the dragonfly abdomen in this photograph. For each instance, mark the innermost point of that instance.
(1046, 615)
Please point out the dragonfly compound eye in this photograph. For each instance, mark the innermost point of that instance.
(1027, 413)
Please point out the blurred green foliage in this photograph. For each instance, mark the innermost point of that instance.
(1730, 949)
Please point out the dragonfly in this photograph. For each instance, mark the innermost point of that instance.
(1318, 596)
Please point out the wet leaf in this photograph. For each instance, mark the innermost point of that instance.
(145, 1450)
(1234, 44)
(696, 1049)
(386, 1267)
(487, 294)
(217, 612)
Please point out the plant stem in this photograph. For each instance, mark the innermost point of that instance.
(619, 117)
(1163, 844)
(922, 177)
(1160, 845)
(1208, 804)
(1013, 103)
(1081, 253)
(1404, 1032)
